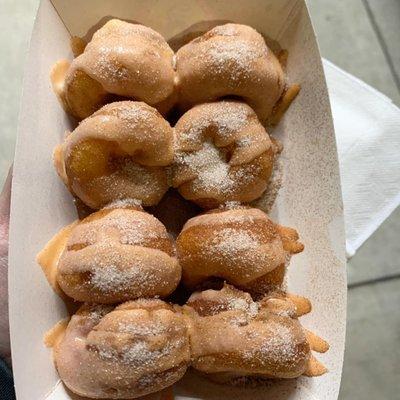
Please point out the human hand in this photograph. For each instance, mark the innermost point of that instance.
(5, 197)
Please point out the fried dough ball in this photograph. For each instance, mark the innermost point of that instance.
(241, 245)
(119, 152)
(122, 59)
(222, 153)
(118, 254)
(230, 60)
(137, 348)
(232, 336)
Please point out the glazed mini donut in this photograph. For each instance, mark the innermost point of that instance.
(137, 348)
(222, 153)
(241, 245)
(232, 336)
(118, 254)
(119, 152)
(122, 59)
(230, 60)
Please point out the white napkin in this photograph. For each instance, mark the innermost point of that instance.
(367, 126)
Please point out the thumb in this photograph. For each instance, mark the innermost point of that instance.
(5, 199)
(4, 222)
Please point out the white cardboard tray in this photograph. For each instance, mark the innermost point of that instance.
(310, 199)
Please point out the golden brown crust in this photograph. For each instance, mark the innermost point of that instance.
(122, 59)
(144, 346)
(59, 164)
(316, 343)
(116, 255)
(290, 239)
(118, 158)
(240, 245)
(303, 305)
(77, 45)
(133, 350)
(233, 336)
(315, 368)
(119, 152)
(222, 153)
(230, 60)
(283, 104)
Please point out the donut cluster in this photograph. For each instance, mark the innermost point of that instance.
(222, 151)
(211, 297)
(143, 346)
(217, 152)
(133, 61)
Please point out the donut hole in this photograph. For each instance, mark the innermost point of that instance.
(83, 95)
(209, 156)
(227, 152)
(222, 154)
(93, 158)
(89, 159)
(128, 163)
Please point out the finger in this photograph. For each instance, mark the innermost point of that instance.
(5, 199)
(4, 219)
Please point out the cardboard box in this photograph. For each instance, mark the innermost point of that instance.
(310, 199)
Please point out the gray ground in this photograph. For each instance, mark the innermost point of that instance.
(362, 37)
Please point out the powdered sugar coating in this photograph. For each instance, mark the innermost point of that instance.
(132, 350)
(241, 245)
(267, 200)
(229, 241)
(230, 60)
(238, 55)
(280, 345)
(227, 118)
(211, 168)
(124, 203)
(232, 212)
(139, 353)
(222, 153)
(111, 279)
(120, 152)
(122, 225)
(212, 302)
(231, 333)
(123, 59)
(116, 255)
